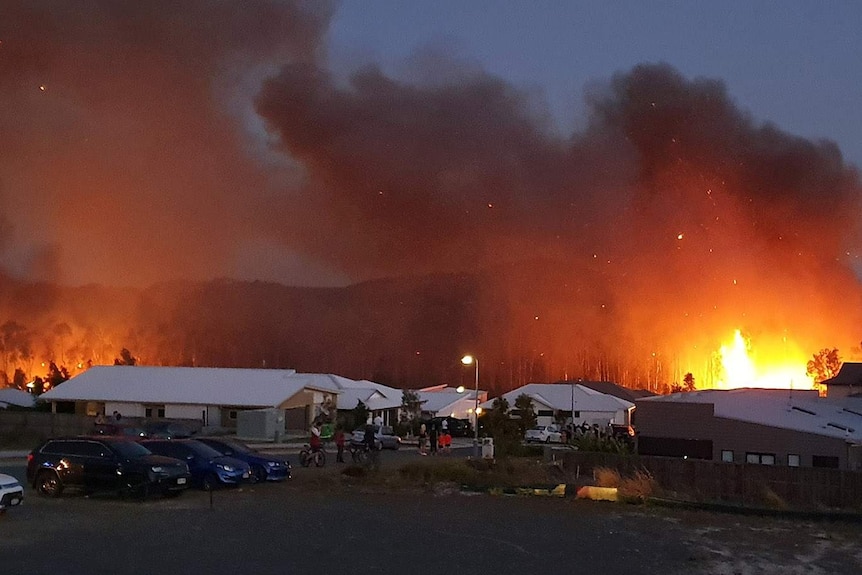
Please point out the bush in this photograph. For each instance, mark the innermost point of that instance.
(638, 487)
(606, 477)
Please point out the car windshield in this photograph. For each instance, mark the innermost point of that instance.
(231, 445)
(130, 449)
(539, 428)
(202, 450)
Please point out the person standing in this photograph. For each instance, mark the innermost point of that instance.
(339, 444)
(315, 441)
(423, 437)
(433, 439)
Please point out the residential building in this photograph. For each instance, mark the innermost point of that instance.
(571, 402)
(211, 396)
(785, 427)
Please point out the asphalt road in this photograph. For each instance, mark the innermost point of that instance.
(317, 525)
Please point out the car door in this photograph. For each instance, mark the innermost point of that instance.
(99, 465)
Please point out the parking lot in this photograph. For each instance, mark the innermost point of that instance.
(314, 523)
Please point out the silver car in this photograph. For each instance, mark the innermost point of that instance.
(384, 437)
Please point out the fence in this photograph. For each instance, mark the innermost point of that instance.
(30, 427)
(800, 487)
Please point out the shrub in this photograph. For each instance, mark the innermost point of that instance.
(638, 487)
(606, 477)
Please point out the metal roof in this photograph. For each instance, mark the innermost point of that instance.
(191, 385)
(562, 395)
(799, 410)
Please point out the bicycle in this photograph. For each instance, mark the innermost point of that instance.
(307, 457)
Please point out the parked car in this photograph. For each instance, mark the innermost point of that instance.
(208, 467)
(168, 430)
(119, 429)
(544, 434)
(103, 463)
(457, 427)
(11, 492)
(384, 437)
(263, 467)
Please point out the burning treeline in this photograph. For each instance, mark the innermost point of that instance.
(631, 249)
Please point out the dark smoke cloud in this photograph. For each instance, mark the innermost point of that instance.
(691, 216)
(120, 148)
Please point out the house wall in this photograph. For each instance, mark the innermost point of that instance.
(198, 412)
(696, 421)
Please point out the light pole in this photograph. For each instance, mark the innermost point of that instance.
(470, 360)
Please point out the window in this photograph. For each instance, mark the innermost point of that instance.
(545, 413)
(792, 460)
(157, 411)
(760, 458)
(577, 414)
(231, 414)
(727, 455)
(824, 461)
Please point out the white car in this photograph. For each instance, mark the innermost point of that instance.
(544, 434)
(11, 492)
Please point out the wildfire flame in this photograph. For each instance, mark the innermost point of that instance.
(774, 365)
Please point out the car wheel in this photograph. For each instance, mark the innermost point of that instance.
(48, 484)
(258, 474)
(210, 481)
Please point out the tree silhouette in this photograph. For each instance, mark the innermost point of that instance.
(126, 358)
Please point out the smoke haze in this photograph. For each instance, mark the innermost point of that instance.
(133, 152)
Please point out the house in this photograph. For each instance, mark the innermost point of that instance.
(847, 382)
(11, 397)
(444, 401)
(571, 402)
(766, 426)
(381, 400)
(210, 396)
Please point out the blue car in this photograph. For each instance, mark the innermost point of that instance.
(263, 467)
(208, 467)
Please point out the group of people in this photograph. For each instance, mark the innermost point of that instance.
(316, 441)
(434, 442)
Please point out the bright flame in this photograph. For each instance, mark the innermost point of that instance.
(773, 365)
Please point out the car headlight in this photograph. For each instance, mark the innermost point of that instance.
(156, 469)
(225, 467)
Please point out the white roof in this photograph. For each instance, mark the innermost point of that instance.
(12, 396)
(800, 410)
(374, 399)
(560, 395)
(444, 400)
(190, 385)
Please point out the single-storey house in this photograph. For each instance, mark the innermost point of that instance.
(785, 427)
(381, 400)
(571, 402)
(210, 396)
(445, 401)
(9, 396)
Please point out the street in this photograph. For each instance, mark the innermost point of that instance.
(318, 524)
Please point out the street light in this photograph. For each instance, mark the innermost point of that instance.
(470, 360)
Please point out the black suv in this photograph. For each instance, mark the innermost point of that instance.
(103, 464)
